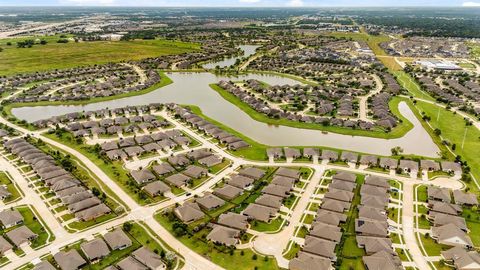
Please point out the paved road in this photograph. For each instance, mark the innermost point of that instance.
(408, 214)
(274, 244)
(265, 244)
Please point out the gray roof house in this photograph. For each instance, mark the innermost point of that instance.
(69, 260)
(95, 249)
(117, 239)
(10, 218)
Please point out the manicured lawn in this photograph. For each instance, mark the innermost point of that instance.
(113, 169)
(219, 167)
(431, 247)
(395, 238)
(413, 88)
(164, 80)
(31, 221)
(402, 254)
(5, 180)
(349, 264)
(473, 223)
(59, 56)
(348, 252)
(453, 129)
(422, 195)
(292, 252)
(237, 260)
(273, 225)
(308, 219)
(397, 132)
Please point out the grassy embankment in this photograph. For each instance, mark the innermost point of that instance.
(91, 182)
(55, 55)
(397, 132)
(7, 109)
(452, 125)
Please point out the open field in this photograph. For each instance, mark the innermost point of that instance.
(454, 130)
(67, 55)
(372, 41)
(474, 50)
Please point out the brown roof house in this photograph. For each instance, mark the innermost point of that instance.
(10, 218)
(95, 249)
(306, 261)
(382, 260)
(224, 235)
(149, 259)
(142, 176)
(69, 260)
(451, 235)
(21, 235)
(189, 212)
(209, 202)
(117, 239)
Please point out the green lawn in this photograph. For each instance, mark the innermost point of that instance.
(472, 218)
(113, 169)
(59, 56)
(413, 88)
(348, 252)
(273, 225)
(237, 260)
(7, 109)
(422, 195)
(397, 132)
(31, 221)
(11, 187)
(431, 247)
(453, 129)
(292, 252)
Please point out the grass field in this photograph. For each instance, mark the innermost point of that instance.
(474, 50)
(67, 55)
(372, 41)
(453, 129)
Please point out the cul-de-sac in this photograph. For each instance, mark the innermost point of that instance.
(239, 135)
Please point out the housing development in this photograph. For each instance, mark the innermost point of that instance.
(239, 138)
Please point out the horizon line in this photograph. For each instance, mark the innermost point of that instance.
(243, 6)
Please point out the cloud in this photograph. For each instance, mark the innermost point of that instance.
(89, 2)
(295, 3)
(249, 1)
(471, 4)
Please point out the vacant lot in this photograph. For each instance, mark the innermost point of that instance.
(55, 55)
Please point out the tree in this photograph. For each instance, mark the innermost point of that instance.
(397, 150)
(127, 226)
(437, 132)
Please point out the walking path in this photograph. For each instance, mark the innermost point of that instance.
(271, 244)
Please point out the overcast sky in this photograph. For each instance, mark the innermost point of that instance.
(245, 3)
